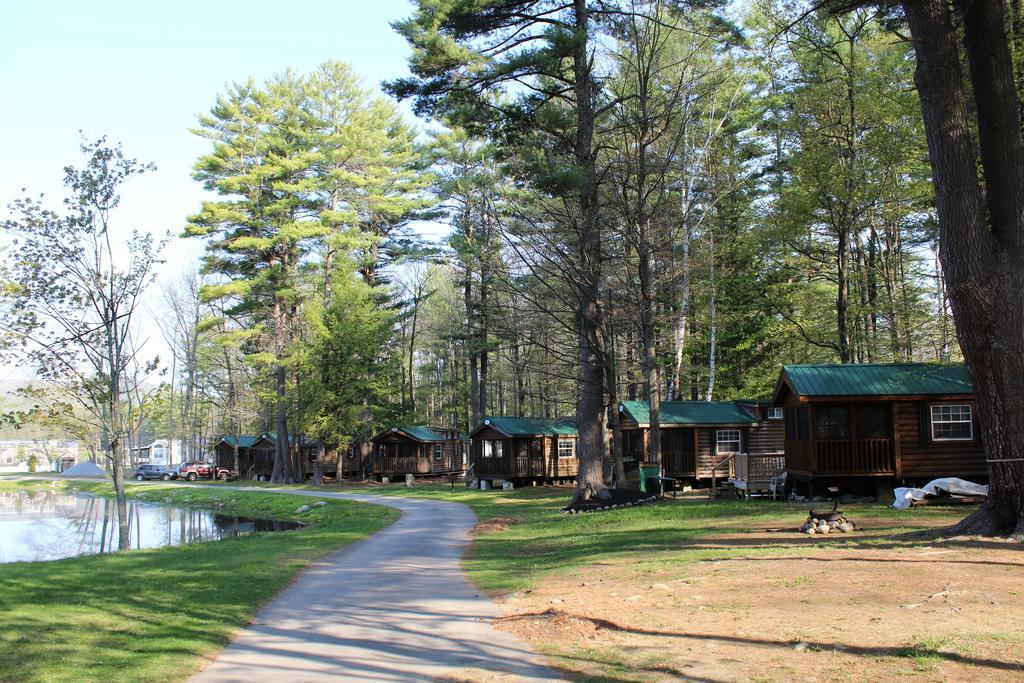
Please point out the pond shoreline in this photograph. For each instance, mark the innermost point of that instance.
(155, 614)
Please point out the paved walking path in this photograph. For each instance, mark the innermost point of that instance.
(394, 607)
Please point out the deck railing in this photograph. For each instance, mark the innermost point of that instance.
(679, 463)
(392, 464)
(508, 466)
(759, 468)
(863, 456)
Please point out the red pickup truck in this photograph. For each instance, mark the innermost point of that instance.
(204, 470)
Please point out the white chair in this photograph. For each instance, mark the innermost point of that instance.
(777, 484)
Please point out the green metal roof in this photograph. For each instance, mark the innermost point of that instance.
(243, 441)
(876, 379)
(419, 433)
(415, 432)
(248, 441)
(689, 412)
(528, 426)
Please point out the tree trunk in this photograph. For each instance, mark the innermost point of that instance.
(618, 462)
(713, 313)
(282, 472)
(590, 402)
(981, 231)
(652, 381)
(843, 294)
(676, 387)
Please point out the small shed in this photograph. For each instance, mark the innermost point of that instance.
(417, 450)
(524, 449)
(698, 435)
(901, 421)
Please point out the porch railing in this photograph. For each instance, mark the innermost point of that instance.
(680, 463)
(863, 456)
(400, 464)
(759, 468)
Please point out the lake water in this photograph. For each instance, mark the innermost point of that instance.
(49, 526)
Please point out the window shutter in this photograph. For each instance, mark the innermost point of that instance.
(925, 422)
(744, 440)
(713, 438)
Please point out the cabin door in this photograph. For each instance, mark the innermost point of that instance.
(678, 453)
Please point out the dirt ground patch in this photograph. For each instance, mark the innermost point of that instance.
(494, 525)
(779, 606)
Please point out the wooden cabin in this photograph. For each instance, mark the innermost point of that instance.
(702, 439)
(417, 450)
(524, 450)
(256, 455)
(848, 424)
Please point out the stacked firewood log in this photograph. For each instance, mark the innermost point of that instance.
(827, 522)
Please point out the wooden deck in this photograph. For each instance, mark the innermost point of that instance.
(846, 458)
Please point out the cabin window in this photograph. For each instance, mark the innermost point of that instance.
(833, 423)
(728, 440)
(775, 413)
(873, 421)
(952, 422)
(566, 448)
(494, 449)
(438, 452)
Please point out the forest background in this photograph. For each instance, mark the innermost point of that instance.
(761, 195)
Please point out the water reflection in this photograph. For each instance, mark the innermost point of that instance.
(45, 525)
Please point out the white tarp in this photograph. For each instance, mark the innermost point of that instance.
(961, 487)
(83, 469)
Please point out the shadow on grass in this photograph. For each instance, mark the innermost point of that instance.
(919, 650)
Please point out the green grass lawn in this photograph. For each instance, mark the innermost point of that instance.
(649, 537)
(152, 615)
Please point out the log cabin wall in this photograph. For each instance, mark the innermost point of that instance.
(706, 460)
(562, 467)
(523, 457)
(767, 436)
(922, 458)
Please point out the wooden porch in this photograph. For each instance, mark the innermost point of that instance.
(848, 457)
(510, 467)
(400, 459)
(747, 473)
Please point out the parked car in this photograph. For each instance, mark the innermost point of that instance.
(204, 470)
(144, 472)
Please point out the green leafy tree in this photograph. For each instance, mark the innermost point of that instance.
(265, 224)
(71, 292)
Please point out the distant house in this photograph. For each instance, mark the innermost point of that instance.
(523, 449)
(698, 435)
(38, 455)
(159, 452)
(417, 450)
(256, 455)
(847, 424)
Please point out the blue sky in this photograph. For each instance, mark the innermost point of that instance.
(140, 72)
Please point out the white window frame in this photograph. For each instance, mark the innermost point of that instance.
(438, 452)
(566, 445)
(969, 421)
(775, 414)
(719, 440)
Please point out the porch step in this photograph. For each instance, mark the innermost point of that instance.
(724, 490)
